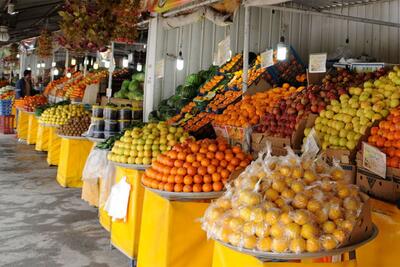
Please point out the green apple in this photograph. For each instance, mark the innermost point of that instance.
(147, 147)
(147, 153)
(149, 141)
(394, 103)
(131, 160)
(342, 142)
(384, 112)
(163, 140)
(133, 153)
(146, 161)
(343, 133)
(155, 147)
(140, 154)
(156, 141)
(172, 129)
(139, 161)
(329, 114)
(351, 144)
(140, 147)
(349, 126)
(172, 142)
(170, 137)
(163, 147)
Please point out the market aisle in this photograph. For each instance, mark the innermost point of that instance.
(42, 224)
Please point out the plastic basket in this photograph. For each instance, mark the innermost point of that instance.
(5, 107)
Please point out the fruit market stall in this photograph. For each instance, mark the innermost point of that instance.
(29, 105)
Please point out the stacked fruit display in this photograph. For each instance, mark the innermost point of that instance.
(76, 89)
(75, 126)
(141, 145)
(31, 102)
(286, 204)
(343, 123)
(235, 62)
(197, 122)
(53, 85)
(211, 84)
(60, 114)
(249, 110)
(386, 137)
(195, 166)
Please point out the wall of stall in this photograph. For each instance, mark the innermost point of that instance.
(306, 33)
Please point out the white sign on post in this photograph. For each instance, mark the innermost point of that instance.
(109, 92)
(160, 65)
(317, 63)
(224, 48)
(267, 58)
(374, 160)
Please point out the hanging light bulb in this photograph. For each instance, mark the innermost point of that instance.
(139, 67)
(91, 62)
(18, 55)
(43, 65)
(73, 61)
(180, 63)
(95, 65)
(125, 62)
(4, 36)
(86, 61)
(28, 68)
(38, 65)
(53, 64)
(69, 75)
(55, 72)
(107, 64)
(281, 48)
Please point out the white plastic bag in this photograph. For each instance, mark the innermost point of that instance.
(107, 182)
(117, 202)
(95, 164)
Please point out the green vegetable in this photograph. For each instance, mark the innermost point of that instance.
(133, 86)
(188, 91)
(125, 85)
(138, 77)
(193, 80)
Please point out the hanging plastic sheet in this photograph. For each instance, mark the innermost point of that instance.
(42, 138)
(32, 129)
(22, 124)
(53, 155)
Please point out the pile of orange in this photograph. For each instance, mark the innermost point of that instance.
(386, 136)
(221, 101)
(250, 109)
(232, 63)
(195, 166)
(209, 85)
(200, 120)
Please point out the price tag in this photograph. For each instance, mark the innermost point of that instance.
(267, 58)
(317, 63)
(108, 92)
(374, 160)
(160, 69)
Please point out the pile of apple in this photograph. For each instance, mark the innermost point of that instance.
(343, 122)
(286, 204)
(142, 145)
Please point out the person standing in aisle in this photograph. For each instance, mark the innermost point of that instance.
(24, 86)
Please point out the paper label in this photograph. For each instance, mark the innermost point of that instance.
(317, 63)
(160, 69)
(267, 58)
(374, 160)
(108, 92)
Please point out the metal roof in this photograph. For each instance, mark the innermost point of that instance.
(31, 16)
(329, 4)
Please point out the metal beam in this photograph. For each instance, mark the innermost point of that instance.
(189, 7)
(335, 16)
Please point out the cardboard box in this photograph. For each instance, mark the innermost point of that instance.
(350, 172)
(258, 140)
(376, 186)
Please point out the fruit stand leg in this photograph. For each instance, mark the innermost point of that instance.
(32, 129)
(73, 155)
(53, 155)
(226, 257)
(22, 125)
(171, 234)
(125, 235)
(42, 138)
(382, 250)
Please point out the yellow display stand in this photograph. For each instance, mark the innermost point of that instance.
(104, 219)
(22, 124)
(226, 257)
(171, 235)
(383, 251)
(53, 155)
(42, 138)
(72, 158)
(125, 235)
(32, 129)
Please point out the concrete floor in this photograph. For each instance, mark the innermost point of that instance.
(41, 223)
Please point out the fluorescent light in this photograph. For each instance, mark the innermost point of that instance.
(43, 65)
(95, 65)
(139, 67)
(38, 65)
(180, 63)
(18, 55)
(282, 50)
(53, 64)
(28, 68)
(86, 61)
(125, 62)
(107, 64)
(69, 75)
(73, 61)
(55, 72)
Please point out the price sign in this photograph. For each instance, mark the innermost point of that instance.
(374, 160)
(108, 92)
(267, 58)
(317, 63)
(160, 69)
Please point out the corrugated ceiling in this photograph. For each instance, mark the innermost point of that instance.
(328, 4)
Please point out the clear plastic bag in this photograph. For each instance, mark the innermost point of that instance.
(95, 164)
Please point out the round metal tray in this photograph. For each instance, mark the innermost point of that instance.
(131, 166)
(271, 256)
(72, 137)
(49, 125)
(95, 140)
(180, 196)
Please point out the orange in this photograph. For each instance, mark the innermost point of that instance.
(212, 147)
(197, 188)
(178, 163)
(216, 177)
(219, 155)
(207, 179)
(235, 162)
(210, 155)
(178, 179)
(187, 165)
(229, 156)
(181, 171)
(187, 188)
(196, 164)
(169, 187)
(223, 163)
(197, 179)
(217, 186)
(215, 162)
(231, 167)
(161, 186)
(172, 154)
(188, 179)
(191, 158)
(178, 188)
(207, 187)
(211, 169)
(191, 170)
(194, 147)
(202, 170)
(205, 162)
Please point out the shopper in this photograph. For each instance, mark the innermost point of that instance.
(24, 86)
